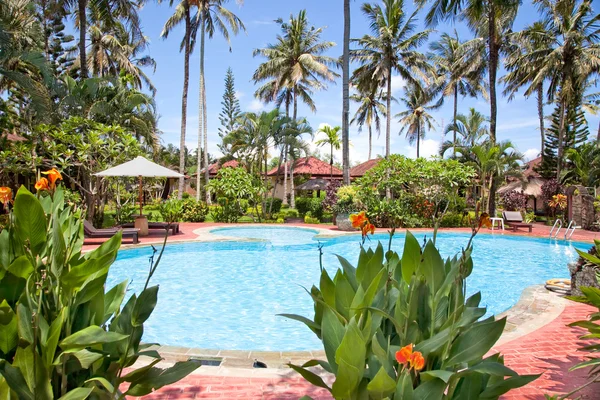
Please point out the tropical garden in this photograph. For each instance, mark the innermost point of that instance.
(77, 97)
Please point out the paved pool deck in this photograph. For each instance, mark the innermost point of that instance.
(536, 340)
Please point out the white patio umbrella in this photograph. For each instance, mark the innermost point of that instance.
(140, 167)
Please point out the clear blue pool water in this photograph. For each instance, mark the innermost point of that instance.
(225, 295)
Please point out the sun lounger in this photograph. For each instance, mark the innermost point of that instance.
(514, 219)
(157, 225)
(91, 232)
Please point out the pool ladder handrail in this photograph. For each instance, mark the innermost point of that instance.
(559, 222)
(572, 226)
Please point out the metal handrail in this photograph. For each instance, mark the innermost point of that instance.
(572, 226)
(559, 222)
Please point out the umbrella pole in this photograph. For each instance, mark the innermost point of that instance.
(141, 194)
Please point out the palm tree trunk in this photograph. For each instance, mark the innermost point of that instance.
(184, 96)
(493, 70)
(388, 127)
(295, 105)
(204, 112)
(561, 139)
(346, 97)
(598, 136)
(285, 177)
(418, 138)
(82, 5)
(370, 141)
(540, 105)
(292, 194)
(454, 120)
(331, 161)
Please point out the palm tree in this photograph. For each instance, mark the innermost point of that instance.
(182, 13)
(584, 165)
(392, 47)
(332, 138)
(468, 130)
(295, 65)
(416, 120)
(493, 162)
(459, 71)
(368, 112)
(521, 71)
(346, 98)
(295, 147)
(211, 16)
(570, 58)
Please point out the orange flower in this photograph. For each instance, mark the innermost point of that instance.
(5, 195)
(53, 176)
(404, 354)
(484, 220)
(42, 184)
(368, 227)
(358, 220)
(417, 362)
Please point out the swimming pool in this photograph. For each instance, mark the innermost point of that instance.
(225, 295)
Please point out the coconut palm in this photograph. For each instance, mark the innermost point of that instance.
(521, 71)
(460, 72)
(571, 58)
(182, 14)
(391, 48)
(416, 120)
(295, 65)
(332, 138)
(368, 112)
(295, 147)
(211, 16)
(467, 131)
(346, 97)
(584, 165)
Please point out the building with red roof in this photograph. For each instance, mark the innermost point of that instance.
(312, 167)
(360, 169)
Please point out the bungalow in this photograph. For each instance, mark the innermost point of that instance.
(360, 169)
(308, 167)
(531, 185)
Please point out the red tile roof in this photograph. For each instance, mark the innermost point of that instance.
(531, 167)
(214, 168)
(309, 166)
(360, 169)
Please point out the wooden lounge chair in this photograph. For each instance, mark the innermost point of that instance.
(91, 232)
(157, 225)
(514, 219)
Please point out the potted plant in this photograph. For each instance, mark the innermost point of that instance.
(346, 204)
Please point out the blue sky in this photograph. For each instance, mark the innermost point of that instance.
(517, 120)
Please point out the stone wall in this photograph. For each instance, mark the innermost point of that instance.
(582, 276)
(580, 206)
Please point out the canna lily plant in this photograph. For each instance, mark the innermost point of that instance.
(402, 327)
(62, 336)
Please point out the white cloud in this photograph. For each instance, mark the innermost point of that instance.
(239, 94)
(255, 105)
(427, 149)
(530, 154)
(262, 22)
(398, 84)
(518, 124)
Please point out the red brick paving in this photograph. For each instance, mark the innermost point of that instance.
(550, 350)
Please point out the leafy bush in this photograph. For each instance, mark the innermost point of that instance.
(235, 188)
(308, 219)
(369, 318)
(63, 336)
(185, 195)
(171, 210)
(550, 188)
(226, 210)
(303, 204)
(194, 211)
(454, 220)
(331, 194)
(347, 200)
(514, 200)
(125, 213)
(529, 217)
(276, 205)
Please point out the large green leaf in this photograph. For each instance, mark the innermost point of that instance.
(473, 343)
(430, 390)
(21, 267)
(381, 386)
(77, 394)
(30, 220)
(9, 331)
(498, 389)
(15, 380)
(90, 336)
(310, 376)
(144, 306)
(332, 332)
(157, 378)
(25, 328)
(308, 322)
(113, 299)
(350, 357)
(49, 347)
(91, 288)
(411, 257)
(432, 267)
(5, 253)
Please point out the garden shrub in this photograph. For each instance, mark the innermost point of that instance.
(126, 213)
(171, 210)
(309, 219)
(194, 211)
(276, 207)
(303, 204)
(316, 207)
(235, 189)
(401, 327)
(63, 336)
(454, 220)
(514, 200)
(331, 194)
(347, 200)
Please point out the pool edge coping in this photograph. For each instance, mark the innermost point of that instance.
(536, 308)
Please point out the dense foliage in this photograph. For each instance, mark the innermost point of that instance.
(232, 186)
(514, 200)
(402, 327)
(62, 334)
